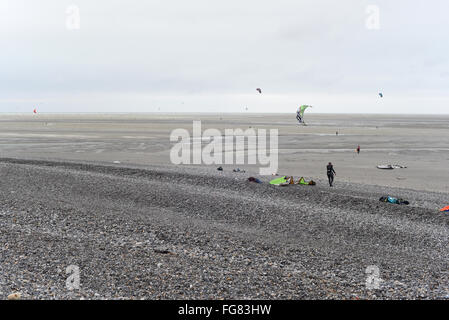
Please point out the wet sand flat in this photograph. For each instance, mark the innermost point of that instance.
(418, 142)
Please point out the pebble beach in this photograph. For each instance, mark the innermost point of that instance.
(138, 227)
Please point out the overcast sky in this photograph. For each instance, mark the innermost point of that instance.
(210, 56)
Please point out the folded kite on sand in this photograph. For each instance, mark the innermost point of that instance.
(393, 200)
(280, 181)
(445, 209)
(284, 181)
(305, 183)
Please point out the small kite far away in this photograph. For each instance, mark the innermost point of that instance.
(260, 90)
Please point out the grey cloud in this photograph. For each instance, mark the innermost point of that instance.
(220, 47)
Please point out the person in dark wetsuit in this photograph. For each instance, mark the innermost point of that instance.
(298, 116)
(330, 173)
(358, 149)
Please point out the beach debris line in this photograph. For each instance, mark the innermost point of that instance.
(393, 200)
(234, 170)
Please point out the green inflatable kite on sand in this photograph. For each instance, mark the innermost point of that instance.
(286, 181)
(279, 181)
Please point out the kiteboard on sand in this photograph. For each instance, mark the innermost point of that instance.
(390, 167)
(385, 166)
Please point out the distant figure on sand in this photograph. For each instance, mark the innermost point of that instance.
(358, 149)
(330, 173)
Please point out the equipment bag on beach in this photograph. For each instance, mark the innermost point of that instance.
(393, 200)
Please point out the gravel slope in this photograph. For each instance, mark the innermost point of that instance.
(180, 233)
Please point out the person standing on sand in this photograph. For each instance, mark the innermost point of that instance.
(358, 149)
(330, 173)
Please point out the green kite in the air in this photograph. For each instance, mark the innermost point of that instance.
(300, 113)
